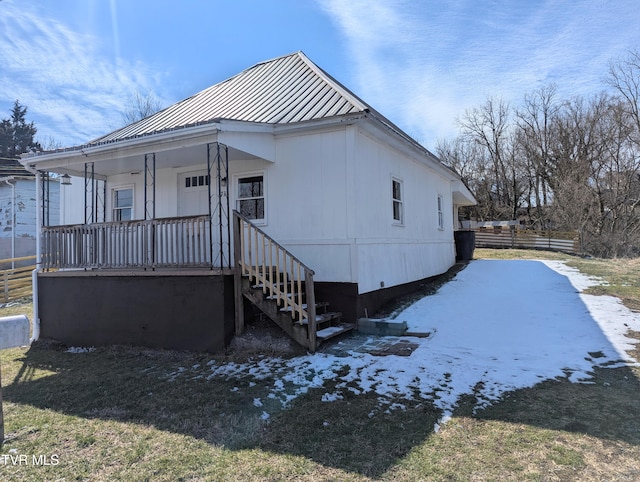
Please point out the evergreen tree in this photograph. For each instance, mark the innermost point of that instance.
(16, 135)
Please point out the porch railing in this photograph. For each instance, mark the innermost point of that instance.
(183, 242)
(281, 275)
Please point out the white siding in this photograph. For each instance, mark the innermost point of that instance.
(307, 199)
(329, 200)
(389, 253)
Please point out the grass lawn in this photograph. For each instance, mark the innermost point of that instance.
(121, 414)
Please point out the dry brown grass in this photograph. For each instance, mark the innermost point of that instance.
(118, 414)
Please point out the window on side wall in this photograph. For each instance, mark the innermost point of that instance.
(123, 204)
(397, 201)
(440, 213)
(251, 197)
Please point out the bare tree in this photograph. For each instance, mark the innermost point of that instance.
(559, 164)
(468, 160)
(624, 77)
(534, 137)
(139, 106)
(488, 126)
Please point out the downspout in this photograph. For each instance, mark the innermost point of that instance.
(35, 332)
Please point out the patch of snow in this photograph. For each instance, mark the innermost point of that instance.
(332, 397)
(80, 349)
(501, 326)
(264, 416)
(257, 402)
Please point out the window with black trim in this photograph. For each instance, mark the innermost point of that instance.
(397, 201)
(123, 204)
(251, 197)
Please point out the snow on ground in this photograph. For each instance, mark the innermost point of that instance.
(499, 325)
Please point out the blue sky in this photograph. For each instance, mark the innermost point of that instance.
(74, 63)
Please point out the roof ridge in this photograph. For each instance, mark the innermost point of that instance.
(353, 98)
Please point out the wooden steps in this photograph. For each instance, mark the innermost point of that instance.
(281, 286)
(328, 323)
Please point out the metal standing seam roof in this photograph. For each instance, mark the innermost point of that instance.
(284, 90)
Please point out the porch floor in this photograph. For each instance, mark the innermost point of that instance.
(134, 272)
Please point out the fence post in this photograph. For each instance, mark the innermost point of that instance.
(6, 287)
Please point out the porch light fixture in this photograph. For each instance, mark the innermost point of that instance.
(65, 180)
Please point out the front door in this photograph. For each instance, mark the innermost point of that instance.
(193, 193)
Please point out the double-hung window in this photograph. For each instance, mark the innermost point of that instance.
(440, 213)
(251, 197)
(123, 204)
(397, 201)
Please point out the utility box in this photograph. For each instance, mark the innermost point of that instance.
(14, 331)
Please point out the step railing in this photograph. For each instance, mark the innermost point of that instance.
(281, 276)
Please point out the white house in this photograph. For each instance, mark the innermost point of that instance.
(272, 183)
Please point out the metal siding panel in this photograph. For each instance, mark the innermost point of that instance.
(270, 96)
(287, 89)
(300, 108)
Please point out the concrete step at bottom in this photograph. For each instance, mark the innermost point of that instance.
(332, 331)
(332, 316)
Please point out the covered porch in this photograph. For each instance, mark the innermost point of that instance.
(151, 260)
(160, 201)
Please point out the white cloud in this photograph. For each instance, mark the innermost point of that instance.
(422, 64)
(73, 91)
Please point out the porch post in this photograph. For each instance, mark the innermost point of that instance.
(150, 208)
(209, 206)
(237, 276)
(223, 203)
(89, 193)
(149, 185)
(221, 208)
(44, 178)
(100, 201)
